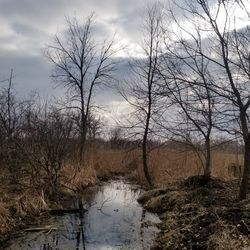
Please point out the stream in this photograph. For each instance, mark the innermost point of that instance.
(113, 220)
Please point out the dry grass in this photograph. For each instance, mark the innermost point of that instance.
(107, 162)
(170, 165)
(165, 166)
(76, 179)
(227, 238)
(221, 161)
(17, 206)
(197, 215)
(29, 203)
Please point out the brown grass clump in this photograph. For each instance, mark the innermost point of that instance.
(200, 215)
(85, 177)
(168, 201)
(172, 164)
(227, 238)
(28, 204)
(77, 179)
(108, 162)
(221, 161)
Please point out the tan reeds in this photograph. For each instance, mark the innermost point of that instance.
(30, 203)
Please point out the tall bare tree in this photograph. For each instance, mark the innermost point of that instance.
(141, 93)
(81, 65)
(187, 82)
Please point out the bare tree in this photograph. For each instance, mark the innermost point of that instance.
(48, 141)
(12, 112)
(187, 82)
(81, 65)
(141, 93)
(9, 114)
(225, 47)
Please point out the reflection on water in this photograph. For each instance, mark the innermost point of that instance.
(114, 220)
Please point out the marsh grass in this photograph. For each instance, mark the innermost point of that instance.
(170, 165)
(166, 165)
(30, 204)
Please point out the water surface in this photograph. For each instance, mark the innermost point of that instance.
(113, 220)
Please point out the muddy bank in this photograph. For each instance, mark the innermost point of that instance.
(110, 218)
(28, 211)
(200, 215)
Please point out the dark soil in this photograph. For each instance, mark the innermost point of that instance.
(200, 213)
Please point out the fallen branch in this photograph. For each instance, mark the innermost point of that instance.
(45, 229)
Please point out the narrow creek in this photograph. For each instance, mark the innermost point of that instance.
(113, 220)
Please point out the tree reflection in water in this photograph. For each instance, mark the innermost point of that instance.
(113, 220)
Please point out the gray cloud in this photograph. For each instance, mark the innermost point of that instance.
(28, 25)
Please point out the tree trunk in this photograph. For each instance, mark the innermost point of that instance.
(145, 163)
(82, 146)
(145, 153)
(246, 170)
(83, 130)
(207, 170)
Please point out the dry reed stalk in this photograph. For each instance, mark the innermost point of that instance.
(30, 203)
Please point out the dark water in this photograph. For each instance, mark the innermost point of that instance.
(114, 220)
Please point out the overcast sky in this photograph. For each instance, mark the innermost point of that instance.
(28, 25)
